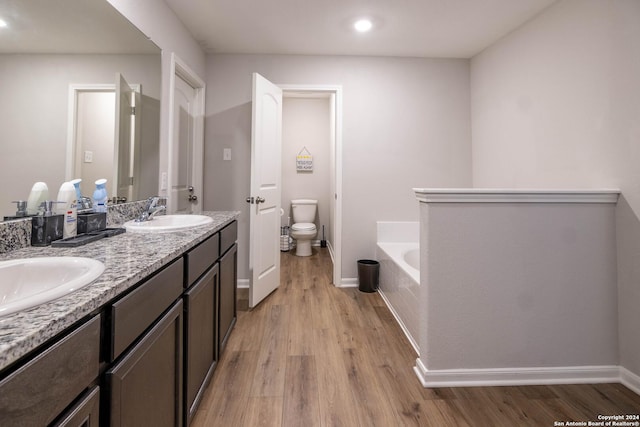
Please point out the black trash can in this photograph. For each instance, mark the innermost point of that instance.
(368, 273)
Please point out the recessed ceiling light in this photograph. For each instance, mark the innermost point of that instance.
(363, 25)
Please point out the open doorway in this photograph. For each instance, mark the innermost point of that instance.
(312, 120)
(93, 156)
(95, 147)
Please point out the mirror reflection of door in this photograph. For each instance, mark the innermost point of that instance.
(94, 150)
(95, 128)
(182, 192)
(127, 140)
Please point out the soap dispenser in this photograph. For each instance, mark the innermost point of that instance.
(100, 196)
(47, 227)
(21, 208)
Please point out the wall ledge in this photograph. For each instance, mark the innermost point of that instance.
(511, 195)
(520, 376)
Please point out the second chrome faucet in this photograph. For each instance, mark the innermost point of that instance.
(154, 205)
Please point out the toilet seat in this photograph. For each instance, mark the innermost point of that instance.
(303, 232)
(303, 226)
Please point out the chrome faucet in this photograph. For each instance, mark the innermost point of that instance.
(153, 206)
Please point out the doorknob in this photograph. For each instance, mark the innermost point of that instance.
(260, 199)
(192, 198)
(249, 200)
(190, 188)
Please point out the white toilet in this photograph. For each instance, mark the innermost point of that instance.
(303, 228)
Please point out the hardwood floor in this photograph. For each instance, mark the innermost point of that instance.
(312, 354)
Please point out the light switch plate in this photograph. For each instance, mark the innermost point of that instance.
(226, 154)
(88, 156)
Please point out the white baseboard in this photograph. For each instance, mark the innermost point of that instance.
(630, 380)
(314, 242)
(331, 252)
(413, 342)
(242, 283)
(348, 282)
(516, 376)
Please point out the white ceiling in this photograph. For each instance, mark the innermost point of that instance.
(412, 28)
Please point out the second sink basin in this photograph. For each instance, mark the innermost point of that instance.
(168, 223)
(28, 282)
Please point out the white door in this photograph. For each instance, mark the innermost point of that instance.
(182, 189)
(186, 139)
(264, 211)
(125, 143)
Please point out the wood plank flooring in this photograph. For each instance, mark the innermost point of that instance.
(312, 354)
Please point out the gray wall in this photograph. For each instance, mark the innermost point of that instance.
(406, 123)
(305, 123)
(555, 104)
(34, 123)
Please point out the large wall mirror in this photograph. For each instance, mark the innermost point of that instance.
(61, 62)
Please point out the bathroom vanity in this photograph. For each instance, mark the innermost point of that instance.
(135, 347)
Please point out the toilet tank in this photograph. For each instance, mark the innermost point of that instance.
(304, 210)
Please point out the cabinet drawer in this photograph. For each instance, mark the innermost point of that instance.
(228, 236)
(138, 310)
(38, 392)
(200, 258)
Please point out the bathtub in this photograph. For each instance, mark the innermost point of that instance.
(398, 252)
(406, 256)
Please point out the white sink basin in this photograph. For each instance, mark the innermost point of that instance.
(167, 223)
(26, 283)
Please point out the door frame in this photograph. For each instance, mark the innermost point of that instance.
(181, 70)
(335, 245)
(134, 135)
(72, 120)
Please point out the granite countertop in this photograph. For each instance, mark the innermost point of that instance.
(128, 258)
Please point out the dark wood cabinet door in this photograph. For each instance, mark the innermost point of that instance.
(145, 385)
(201, 317)
(85, 413)
(228, 279)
